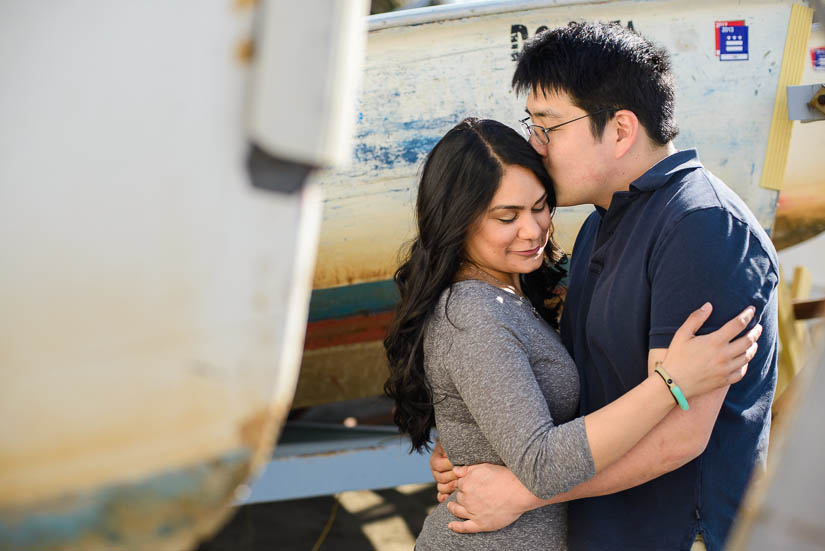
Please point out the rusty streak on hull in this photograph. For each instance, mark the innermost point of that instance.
(800, 214)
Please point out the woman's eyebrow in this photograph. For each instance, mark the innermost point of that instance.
(517, 207)
(507, 207)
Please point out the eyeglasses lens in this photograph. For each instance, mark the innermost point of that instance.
(537, 131)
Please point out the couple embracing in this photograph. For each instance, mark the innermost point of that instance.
(636, 421)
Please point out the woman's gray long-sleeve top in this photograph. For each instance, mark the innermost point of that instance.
(505, 391)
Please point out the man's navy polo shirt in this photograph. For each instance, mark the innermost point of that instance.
(678, 238)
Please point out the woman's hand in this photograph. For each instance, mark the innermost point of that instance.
(699, 364)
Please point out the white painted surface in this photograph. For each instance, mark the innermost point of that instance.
(422, 79)
(153, 301)
(302, 107)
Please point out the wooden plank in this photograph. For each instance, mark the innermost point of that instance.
(790, 338)
(809, 309)
(790, 73)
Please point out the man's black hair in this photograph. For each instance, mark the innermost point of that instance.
(599, 66)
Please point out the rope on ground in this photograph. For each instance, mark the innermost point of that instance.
(328, 525)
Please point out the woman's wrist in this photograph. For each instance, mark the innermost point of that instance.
(662, 393)
(672, 387)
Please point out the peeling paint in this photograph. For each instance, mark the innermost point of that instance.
(167, 510)
(422, 79)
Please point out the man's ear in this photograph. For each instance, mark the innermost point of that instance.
(627, 130)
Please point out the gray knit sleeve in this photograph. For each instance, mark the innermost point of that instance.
(489, 366)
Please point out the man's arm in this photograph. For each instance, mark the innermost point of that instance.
(738, 256)
(490, 497)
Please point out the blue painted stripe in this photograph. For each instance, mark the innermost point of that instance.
(362, 298)
(409, 151)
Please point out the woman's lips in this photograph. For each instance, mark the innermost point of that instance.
(531, 252)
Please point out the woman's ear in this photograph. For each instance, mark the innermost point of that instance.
(627, 129)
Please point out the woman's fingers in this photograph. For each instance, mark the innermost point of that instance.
(744, 358)
(693, 322)
(738, 374)
(743, 343)
(728, 332)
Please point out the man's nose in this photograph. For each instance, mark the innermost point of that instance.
(540, 148)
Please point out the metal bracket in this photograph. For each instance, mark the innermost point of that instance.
(818, 101)
(273, 174)
(806, 103)
(314, 459)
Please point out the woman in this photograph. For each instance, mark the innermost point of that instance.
(469, 353)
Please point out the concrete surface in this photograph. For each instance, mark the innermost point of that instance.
(381, 520)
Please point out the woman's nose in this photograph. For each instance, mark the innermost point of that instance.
(530, 228)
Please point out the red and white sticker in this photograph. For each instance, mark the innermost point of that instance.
(818, 58)
(720, 24)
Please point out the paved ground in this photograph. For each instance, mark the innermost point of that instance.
(382, 520)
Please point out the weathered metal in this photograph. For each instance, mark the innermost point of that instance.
(315, 459)
(153, 300)
(427, 69)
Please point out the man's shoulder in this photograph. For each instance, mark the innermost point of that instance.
(695, 189)
(697, 197)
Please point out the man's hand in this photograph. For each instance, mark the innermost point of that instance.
(490, 497)
(442, 472)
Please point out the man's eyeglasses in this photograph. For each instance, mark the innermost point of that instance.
(542, 134)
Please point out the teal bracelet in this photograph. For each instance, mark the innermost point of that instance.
(674, 388)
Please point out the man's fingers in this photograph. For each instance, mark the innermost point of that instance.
(444, 477)
(465, 527)
(446, 488)
(735, 326)
(693, 322)
(440, 463)
(458, 510)
(441, 497)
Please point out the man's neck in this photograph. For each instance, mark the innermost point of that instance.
(634, 166)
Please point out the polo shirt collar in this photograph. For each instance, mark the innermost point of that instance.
(659, 174)
(656, 177)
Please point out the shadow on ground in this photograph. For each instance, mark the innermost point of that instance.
(381, 520)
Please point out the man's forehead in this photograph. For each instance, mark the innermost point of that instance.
(550, 104)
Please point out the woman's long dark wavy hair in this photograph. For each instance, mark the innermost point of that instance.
(459, 179)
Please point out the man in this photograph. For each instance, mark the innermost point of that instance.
(665, 237)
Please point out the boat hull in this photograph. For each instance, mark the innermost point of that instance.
(428, 69)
